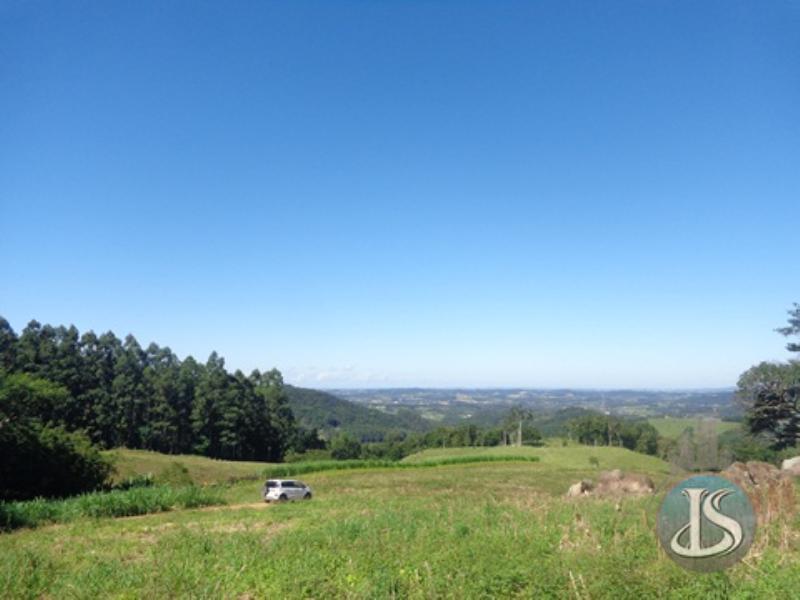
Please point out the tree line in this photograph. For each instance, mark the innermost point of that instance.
(607, 430)
(770, 394)
(397, 445)
(121, 394)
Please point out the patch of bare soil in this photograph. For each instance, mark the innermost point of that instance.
(256, 505)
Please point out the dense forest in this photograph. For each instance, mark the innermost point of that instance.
(317, 410)
(120, 394)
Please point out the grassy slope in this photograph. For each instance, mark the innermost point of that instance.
(673, 427)
(570, 457)
(463, 531)
(202, 469)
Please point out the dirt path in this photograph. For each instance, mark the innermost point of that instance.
(257, 505)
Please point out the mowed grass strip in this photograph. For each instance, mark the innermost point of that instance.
(462, 531)
(569, 457)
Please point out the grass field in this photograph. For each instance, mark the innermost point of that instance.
(202, 470)
(570, 457)
(673, 427)
(455, 531)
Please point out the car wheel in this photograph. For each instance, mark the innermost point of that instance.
(283, 498)
(307, 496)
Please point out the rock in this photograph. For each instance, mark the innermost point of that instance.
(609, 476)
(580, 488)
(770, 490)
(791, 465)
(617, 483)
(613, 483)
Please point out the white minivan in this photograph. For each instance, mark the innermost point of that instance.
(285, 489)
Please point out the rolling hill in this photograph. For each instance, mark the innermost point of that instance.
(465, 530)
(331, 415)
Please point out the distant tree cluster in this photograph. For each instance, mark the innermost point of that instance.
(121, 394)
(398, 445)
(698, 448)
(607, 430)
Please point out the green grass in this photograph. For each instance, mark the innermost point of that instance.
(202, 470)
(673, 427)
(295, 469)
(471, 530)
(136, 501)
(570, 457)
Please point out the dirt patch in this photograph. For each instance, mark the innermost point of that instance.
(256, 505)
(253, 505)
(613, 483)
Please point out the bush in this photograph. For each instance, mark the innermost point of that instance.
(39, 459)
(176, 475)
(345, 447)
(48, 462)
(135, 481)
(744, 447)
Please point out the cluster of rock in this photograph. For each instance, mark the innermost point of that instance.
(771, 490)
(613, 483)
(791, 466)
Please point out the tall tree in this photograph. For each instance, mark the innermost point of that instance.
(8, 346)
(793, 328)
(122, 395)
(129, 392)
(770, 394)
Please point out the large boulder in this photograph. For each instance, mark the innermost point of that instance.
(791, 466)
(770, 490)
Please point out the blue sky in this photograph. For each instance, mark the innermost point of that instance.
(409, 193)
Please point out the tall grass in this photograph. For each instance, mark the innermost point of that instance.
(118, 503)
(294, 469)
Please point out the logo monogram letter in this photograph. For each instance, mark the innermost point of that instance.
(709, 504)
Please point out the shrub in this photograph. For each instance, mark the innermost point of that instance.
(40, 459)
(117, 503)
(176, 474)
(48, 462)
(140, 480)
(345, 447)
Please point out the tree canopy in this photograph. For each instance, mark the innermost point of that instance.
(770, 393)
(793, 328)
(121, 394)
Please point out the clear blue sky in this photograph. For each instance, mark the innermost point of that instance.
(376, 193)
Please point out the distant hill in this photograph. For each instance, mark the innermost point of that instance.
(331, 415)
